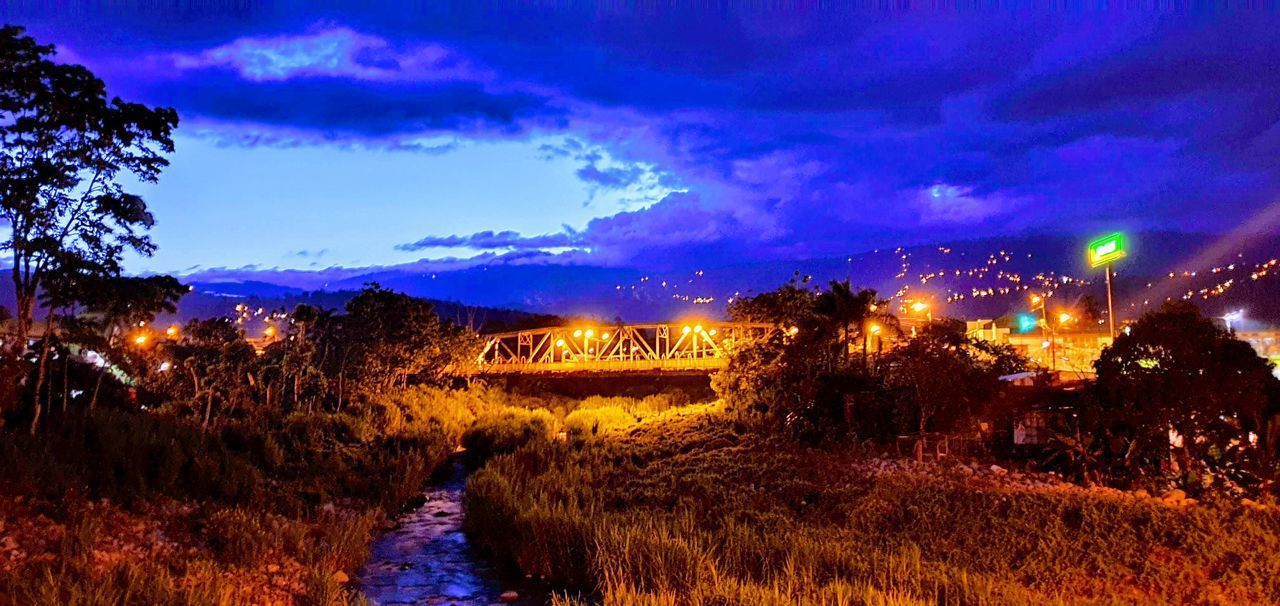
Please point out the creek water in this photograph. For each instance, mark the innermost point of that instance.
(426, 558)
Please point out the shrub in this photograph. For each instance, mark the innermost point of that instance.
(589, 422)
(506, 431)
(241, 537)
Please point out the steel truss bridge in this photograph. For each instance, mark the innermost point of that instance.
(700, 347)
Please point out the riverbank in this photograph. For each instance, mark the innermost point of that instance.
(118, 507)
(692, 507)
(426, 558)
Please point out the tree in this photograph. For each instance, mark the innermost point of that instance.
(65, 146)
(213, 358)
(114, 305)
(796, 376)
(945, 374)
(1176, 383)
(387, 337)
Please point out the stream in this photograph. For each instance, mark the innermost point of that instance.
(426, 558)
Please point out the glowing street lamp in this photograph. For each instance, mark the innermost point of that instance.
(140, 340)
(171, 332)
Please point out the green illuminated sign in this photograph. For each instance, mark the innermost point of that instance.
(1105, 250)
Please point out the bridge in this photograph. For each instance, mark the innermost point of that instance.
(689, 348)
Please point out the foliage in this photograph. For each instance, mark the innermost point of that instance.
(689, 509)
(1176, 371)
(66, 147)
(941, 374)
(794, 377)
(503, 432)
(387, 337)
(590, 422)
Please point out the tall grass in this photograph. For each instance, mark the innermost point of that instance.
(686, 508)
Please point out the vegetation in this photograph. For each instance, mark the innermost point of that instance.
(693, 507)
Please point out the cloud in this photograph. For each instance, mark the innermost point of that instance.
(774, 134)
(332, 51)
(489, 240)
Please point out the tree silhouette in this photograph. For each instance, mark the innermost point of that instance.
(1175, 370)
(65, 146)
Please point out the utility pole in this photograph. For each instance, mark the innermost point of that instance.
(1111, 307)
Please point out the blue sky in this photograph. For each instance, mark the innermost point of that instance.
(351, 137)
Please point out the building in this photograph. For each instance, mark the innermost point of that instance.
(1073, 353)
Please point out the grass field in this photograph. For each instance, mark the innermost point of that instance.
(688, 507)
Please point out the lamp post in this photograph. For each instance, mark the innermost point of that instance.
(1046, 331)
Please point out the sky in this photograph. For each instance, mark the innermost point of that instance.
(325, 139)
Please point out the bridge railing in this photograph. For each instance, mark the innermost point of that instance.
(692, 346)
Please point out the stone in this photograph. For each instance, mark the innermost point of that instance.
(998, 470)
(328, 508)
(273, 568)
(341, 577)
(1177, 494)
(509, 596)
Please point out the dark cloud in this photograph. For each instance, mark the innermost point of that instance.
(795, 134)
(489, 240)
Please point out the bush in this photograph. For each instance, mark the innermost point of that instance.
(126, 457)
(589, 422)
(241, 537)
(687, 509)
(506, 431)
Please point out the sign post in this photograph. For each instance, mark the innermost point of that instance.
(1102, 253)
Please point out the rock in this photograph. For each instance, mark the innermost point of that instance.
(998, 470)
(1142, 493)
(966, 471)
(328, 508)
(1175, 495)
(1188, 502)
(273, 568)
(508, 596)
(341, 577)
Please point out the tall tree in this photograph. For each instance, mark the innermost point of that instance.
(65, 146)
(1176, 371)
(389, 337)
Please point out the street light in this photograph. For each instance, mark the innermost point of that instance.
(1040, 302)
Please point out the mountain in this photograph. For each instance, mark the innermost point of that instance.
(994, 277)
